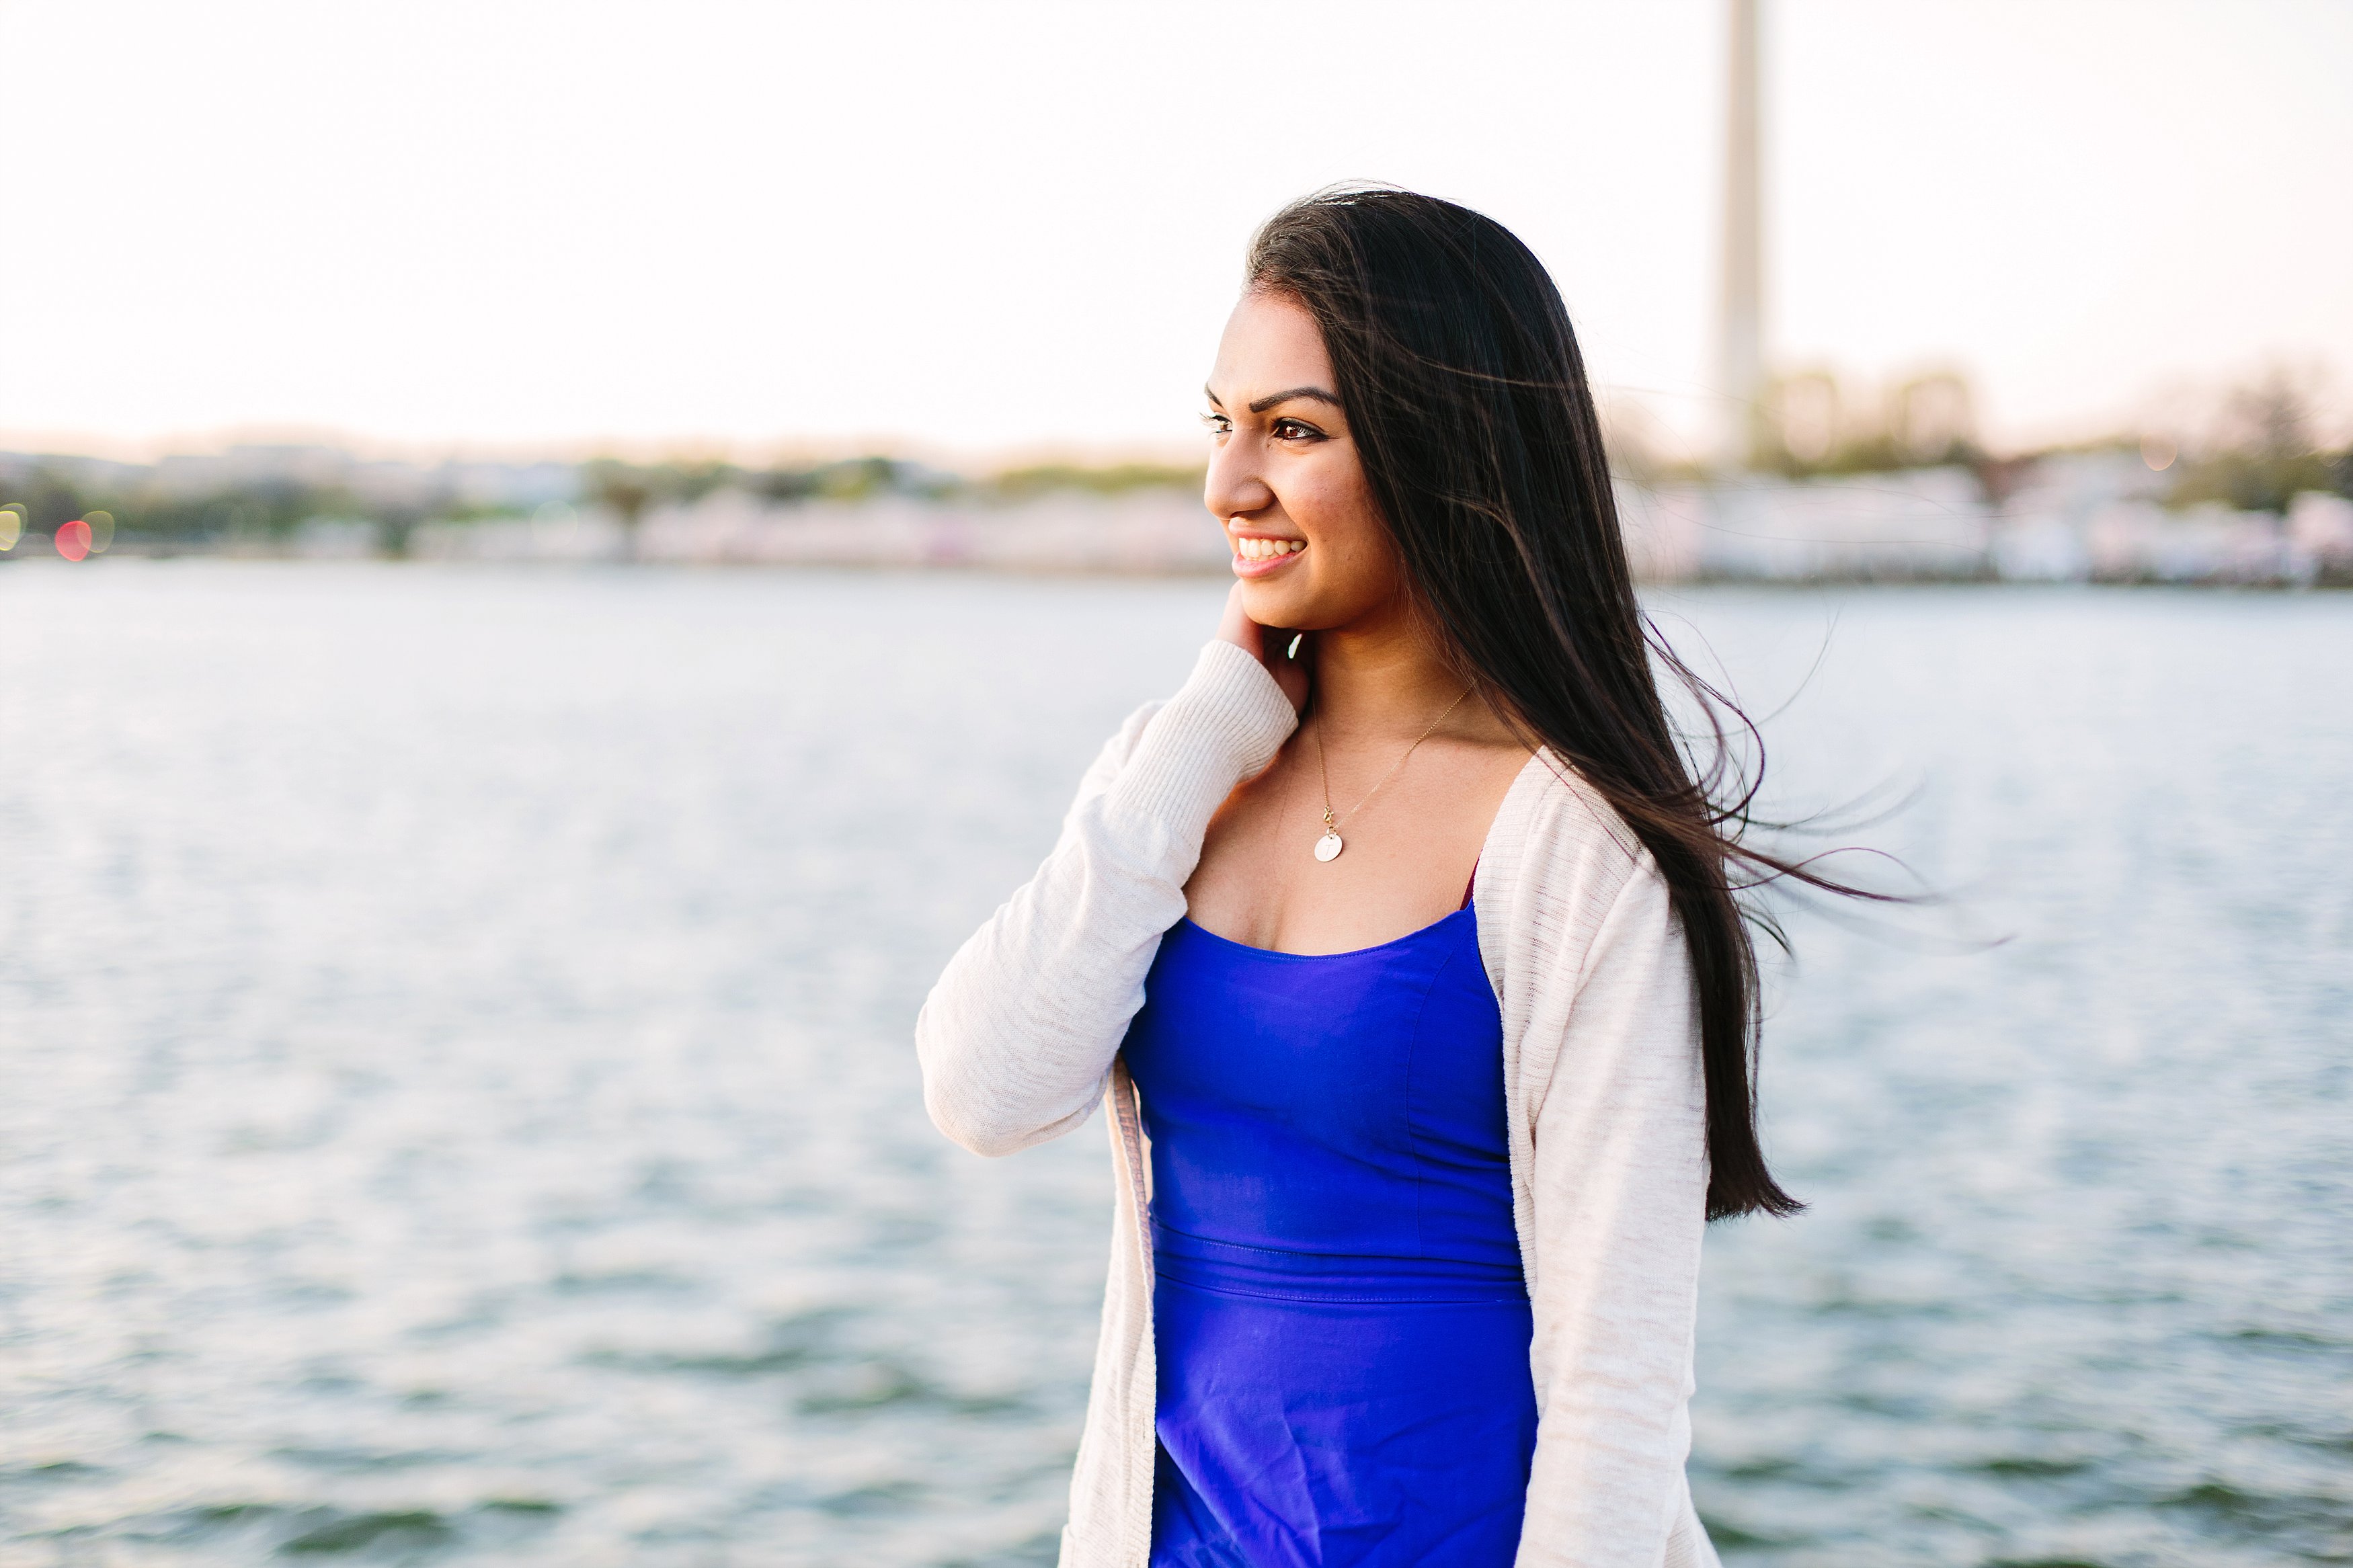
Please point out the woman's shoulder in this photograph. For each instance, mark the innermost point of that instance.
(1554, 862)
(1552, 811)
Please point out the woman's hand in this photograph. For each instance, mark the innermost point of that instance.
(1253, 639)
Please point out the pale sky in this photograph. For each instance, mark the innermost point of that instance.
(976, 226)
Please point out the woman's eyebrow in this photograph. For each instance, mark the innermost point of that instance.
(1314, 392)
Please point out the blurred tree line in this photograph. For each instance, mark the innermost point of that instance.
(271, 506)
(54, 493)
(2256, 452)
(267, 507)
(2264, 450)
(1809, 425)
(629, 489)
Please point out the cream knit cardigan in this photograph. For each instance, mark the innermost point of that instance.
(1602, 1082)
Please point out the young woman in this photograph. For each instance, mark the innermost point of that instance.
(1401, 945)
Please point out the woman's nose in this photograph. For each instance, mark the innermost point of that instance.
(1234, 488)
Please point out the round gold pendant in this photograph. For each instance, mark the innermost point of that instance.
(1328, 847)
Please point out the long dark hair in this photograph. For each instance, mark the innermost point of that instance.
(1467, 398)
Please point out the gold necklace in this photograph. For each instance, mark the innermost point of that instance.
(1328, 847)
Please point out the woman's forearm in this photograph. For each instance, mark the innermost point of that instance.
(1017, 1036)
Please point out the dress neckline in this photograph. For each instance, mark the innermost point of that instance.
(1465, 912)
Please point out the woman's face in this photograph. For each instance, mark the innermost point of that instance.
(1285, 478)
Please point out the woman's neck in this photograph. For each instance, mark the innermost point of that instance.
(1383, 679)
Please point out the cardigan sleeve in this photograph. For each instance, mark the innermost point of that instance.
(1618, 1207)
(1017, 1039)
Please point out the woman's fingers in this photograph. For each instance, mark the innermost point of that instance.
(1269, 649)
(1236, 627)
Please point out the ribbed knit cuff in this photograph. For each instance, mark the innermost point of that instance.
(1224, 726)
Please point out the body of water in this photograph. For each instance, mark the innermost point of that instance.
(457, 1102)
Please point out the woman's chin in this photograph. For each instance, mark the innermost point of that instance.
(1270, 604)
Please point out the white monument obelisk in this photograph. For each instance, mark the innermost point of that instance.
(1740, 325)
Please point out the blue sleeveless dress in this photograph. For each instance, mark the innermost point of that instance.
(1341, 1322)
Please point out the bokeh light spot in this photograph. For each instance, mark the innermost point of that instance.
(73, 540)
(12, 524)
(101, 531)
(2158, 452)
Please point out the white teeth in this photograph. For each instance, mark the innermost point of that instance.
(1268, 549)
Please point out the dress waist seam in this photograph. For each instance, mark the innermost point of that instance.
(1361, 1298)
(1162, 1228)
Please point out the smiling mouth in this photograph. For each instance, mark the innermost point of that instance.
(1267, 549)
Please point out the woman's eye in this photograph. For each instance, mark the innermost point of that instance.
(1217, 424)
(1293, 430)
